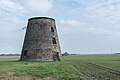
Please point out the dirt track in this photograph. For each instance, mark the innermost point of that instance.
(11, 76)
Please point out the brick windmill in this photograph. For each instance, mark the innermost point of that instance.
(41, 41)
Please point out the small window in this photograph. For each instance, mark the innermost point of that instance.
(54, 41)
(25, 52)
(52, 30)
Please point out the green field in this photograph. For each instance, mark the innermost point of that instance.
(76, 67)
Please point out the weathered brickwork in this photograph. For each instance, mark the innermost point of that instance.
(41, 41)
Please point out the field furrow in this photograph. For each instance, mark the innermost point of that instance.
(97, 72)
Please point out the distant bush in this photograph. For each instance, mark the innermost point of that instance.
(65, 54)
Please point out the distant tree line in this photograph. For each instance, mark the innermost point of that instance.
(64, 54)
(116, 53)
(9, 54)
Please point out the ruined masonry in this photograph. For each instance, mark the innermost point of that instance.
(41, 41)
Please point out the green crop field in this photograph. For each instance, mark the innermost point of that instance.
(74, 67)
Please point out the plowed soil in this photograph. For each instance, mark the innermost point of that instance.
(11, 76)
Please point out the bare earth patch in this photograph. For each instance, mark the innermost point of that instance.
(11, 76)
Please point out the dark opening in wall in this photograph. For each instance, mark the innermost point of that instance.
(54, 41)
(56, 56)
(52, 30)
(25, 52)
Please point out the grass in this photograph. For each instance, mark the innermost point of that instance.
(71, 68)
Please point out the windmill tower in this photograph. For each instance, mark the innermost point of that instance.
(41, 41)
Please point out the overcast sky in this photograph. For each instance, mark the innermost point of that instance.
(84, 26)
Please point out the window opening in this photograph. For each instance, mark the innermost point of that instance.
(54, 41)
(52, 30)
(25, 52)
